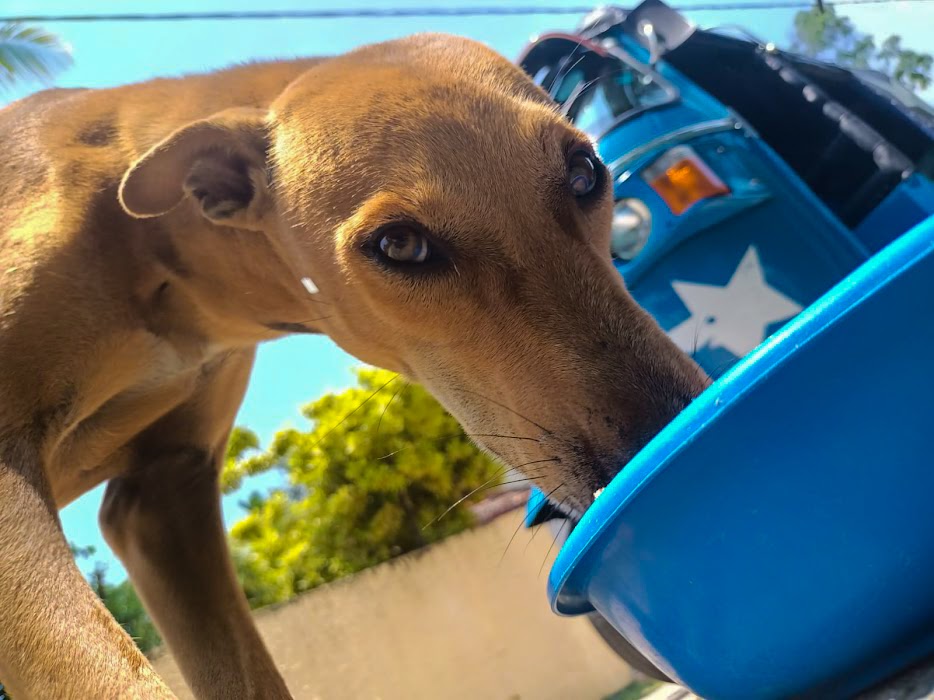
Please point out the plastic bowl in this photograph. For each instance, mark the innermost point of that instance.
(777, 539)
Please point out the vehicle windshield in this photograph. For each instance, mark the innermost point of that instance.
(596, 91)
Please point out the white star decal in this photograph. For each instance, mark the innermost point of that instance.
(735, 317)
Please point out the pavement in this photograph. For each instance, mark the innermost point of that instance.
(914, 684)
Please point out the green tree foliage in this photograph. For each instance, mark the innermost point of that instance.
(122, 602)
(381, 462)
(832, 37)
(127, 608)
(29, 53)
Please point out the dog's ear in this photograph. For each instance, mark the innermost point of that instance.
(220, 162)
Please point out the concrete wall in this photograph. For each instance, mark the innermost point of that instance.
(449, 622)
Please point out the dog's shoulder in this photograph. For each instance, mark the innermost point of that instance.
(45, 171)
(151, 110)
(131, 118)
(25, 163)
(64, 145)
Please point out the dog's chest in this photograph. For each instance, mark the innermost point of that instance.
(166, 363)
(126, 395)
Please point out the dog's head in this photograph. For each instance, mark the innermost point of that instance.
(441, 219)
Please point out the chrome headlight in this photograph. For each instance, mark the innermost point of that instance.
(632, 224)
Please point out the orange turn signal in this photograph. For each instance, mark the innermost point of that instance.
(682, 179)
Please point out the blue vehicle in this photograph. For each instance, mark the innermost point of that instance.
(751, 186)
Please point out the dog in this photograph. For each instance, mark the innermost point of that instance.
(422, 202)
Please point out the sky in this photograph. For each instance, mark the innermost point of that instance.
(292, 372)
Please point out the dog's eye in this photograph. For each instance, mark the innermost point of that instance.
(403, 245)
(582, 173)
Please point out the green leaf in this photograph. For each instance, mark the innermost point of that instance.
(831, 37)
(30, 54)
(377, 465)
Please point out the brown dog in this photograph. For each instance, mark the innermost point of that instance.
(419, 201)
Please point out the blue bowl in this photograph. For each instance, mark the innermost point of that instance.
(777, 539)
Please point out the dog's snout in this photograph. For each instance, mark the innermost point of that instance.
(669, 409)
(604, 378)
(675, 384)
(640, 397)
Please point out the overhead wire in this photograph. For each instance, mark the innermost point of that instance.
(414, 12)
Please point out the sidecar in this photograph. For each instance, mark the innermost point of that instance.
(776, 216)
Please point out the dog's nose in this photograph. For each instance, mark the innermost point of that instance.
(641, 429)
(667, 409)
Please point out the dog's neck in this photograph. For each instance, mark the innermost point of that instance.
(229, 286)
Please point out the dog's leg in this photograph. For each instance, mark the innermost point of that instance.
(56, 638)
(163, 519)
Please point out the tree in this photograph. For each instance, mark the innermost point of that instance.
(370, 480)
(122, 602)
(825, 35)
(29, 53)
(128, 610)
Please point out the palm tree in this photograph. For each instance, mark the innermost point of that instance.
(30, 53)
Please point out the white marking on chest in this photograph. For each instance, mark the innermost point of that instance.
(166, 363)
(309, 285)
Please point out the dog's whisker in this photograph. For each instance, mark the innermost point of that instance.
(507, 408)
(581, 89)
(344, 419)
(564, 524)
(723, 369)
(319, 301)
(533, 474)
(535, 461)
(386, 407)
(522, 522)
(564, 69)
(416, 444)
(571, 99)
(567, 66)
(602, 76)
(527, 475)
(395, 452)
(313, 320)
(518, 481)
(515, 532)
(457, 435)
(505, 437)
(495, 476)
(560, 78)
(534, 532)
(511, 482)
(487, 485)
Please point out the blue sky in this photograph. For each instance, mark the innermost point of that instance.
(292, 372)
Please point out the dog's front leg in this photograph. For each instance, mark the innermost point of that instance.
(163, 519)
(165, 525)
(56, 638)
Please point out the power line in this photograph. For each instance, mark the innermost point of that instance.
(416, 12)
(361, 13)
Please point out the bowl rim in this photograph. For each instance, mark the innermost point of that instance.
(721, 397)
